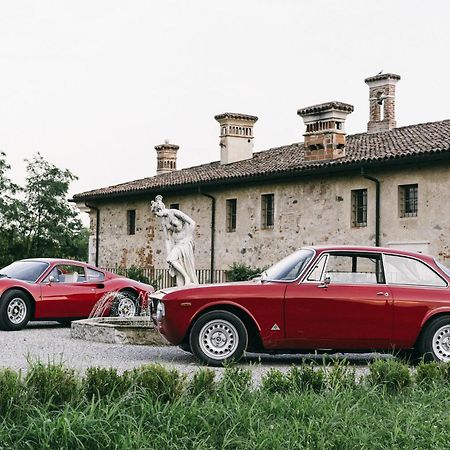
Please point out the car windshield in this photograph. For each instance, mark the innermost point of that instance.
(445, 269)
(289, 268)
(24, 270)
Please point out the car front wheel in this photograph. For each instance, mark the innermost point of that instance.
(434, 344)
(218, 337)
(15, 310)
(125, 305)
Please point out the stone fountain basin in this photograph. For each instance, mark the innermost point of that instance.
(117, 330)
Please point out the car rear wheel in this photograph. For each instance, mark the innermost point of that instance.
(15, 310)
(434, 344)
(125, 305)
(218, 337)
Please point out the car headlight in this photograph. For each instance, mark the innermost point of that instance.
(160, 311)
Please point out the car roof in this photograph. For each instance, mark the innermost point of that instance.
(367, 249)
(51, 260)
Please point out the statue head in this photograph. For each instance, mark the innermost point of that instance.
(157, 206)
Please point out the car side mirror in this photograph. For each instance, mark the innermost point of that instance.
(51, 279)
(325, 284)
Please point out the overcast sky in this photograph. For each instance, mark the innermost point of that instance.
(95, 85)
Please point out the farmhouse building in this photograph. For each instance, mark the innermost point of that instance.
(388, 186)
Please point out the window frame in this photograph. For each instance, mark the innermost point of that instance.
(265, 225)
(356, 207)
(231, 215)
(405, 198)
(131, 222)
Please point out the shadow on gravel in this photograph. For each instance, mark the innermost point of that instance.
(356, 359)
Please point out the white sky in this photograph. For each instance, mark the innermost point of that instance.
(95, 85)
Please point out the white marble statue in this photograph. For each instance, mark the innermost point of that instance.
(179, 231)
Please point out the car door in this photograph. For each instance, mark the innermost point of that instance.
(342, 303)
(66, 292)
(417, 289)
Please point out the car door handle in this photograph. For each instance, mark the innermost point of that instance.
(385, 294)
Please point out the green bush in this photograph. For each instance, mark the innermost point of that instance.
(235, 380)
(340, 376)
(102, 382)
(11, 390)
(203, 383)
(389, 374)
(275, 381)
(429, 374)
(305, 378)
(51, 383)
(242, 272)
(158, 382)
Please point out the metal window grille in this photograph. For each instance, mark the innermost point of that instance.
(131, 221)
(231, 214)
(267, 210)
(359, 208)
(409, 196)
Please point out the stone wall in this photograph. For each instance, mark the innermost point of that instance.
(308, 211)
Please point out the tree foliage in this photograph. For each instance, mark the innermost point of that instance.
(37, 220)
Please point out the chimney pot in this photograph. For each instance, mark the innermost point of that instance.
(236, 136)
(325, 131)
(166, 158)
(382, 102)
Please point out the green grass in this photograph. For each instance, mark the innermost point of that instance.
(160, 409)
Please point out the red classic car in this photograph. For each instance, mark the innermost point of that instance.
(62, 290)
(334, 298)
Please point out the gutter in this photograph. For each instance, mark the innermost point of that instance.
(213, 230)
(377, 205)
(97, 231)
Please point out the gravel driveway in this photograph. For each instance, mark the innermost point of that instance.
(49, 341)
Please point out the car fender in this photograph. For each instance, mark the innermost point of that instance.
(24, 290)
(215, 305)
(434, 312)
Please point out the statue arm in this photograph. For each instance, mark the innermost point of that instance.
(184, 217)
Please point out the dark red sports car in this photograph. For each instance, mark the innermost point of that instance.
(62, 290)
(333, 298)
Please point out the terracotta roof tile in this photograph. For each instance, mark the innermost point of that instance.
(405, 142)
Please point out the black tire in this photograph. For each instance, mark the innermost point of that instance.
(124, 297)
(15, 310)
(434, 342)
(218, 338)
(186, 348)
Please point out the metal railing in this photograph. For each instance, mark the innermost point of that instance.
(160, 278)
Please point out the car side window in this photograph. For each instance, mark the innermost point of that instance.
(66, 273)
(404, 270)
(94, 275)
(354, 269)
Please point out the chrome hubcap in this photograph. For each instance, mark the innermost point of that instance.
(441, 343)
(16, 311)
(126, 307)
(218, 339)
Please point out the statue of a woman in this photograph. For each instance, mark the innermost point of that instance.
(179, 231)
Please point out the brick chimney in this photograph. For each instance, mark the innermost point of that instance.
(382, 102)
(325, 133)
(236, 136)
(166, 157)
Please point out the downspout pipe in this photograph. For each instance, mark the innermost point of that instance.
(97, 231)
(213, 230)
(377, 205)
